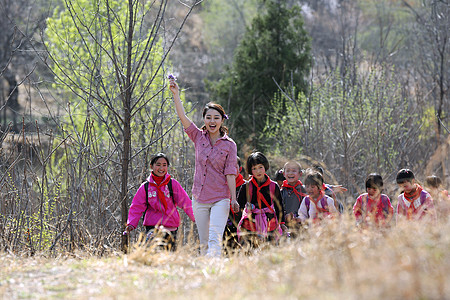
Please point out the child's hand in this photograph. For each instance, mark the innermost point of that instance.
(128, 229)
(338, 188)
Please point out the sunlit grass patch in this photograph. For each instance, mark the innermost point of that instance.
(331, 261)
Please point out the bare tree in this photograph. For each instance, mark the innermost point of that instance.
(20, 20)
(112, 58)
(431, 45)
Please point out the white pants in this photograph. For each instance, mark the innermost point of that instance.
(211, 219)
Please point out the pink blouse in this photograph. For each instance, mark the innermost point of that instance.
(212, 164)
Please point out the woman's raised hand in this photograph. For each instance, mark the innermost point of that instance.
(173, 86)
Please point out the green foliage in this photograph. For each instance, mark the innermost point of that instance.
(225, 23)
(35, 225)
(109, 59)
(383, 33)
(88, 43)
(275, 48)
(428, 120)
(288, 125)
(41, 228)
(350, 125)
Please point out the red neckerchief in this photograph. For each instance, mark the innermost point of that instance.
(410, 197)
(157, 179)
(299, 194)
(239, 180)
(160, 193)
(321, 195)
(259, 195)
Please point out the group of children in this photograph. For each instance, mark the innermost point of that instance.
(269, 209)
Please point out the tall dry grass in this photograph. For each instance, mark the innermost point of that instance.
(332, 261)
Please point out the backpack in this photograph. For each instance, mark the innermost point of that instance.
(384, 203)
(307, 203)
(169, 185)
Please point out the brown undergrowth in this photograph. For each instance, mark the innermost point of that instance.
(331, 261)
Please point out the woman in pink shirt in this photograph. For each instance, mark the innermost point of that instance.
(215, 172)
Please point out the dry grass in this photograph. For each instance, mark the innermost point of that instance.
(336, 261)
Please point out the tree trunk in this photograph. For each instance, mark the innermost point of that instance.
(127, 125)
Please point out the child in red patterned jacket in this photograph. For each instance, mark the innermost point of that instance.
(414, 202)
(373, 207)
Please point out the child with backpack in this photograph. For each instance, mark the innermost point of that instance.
(263, 215)
(158, 198)
(331, 190)
(414, 203)
(292, 193)
(373, 207)
(316, 205)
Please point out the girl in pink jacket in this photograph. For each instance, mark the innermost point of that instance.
(158, 198)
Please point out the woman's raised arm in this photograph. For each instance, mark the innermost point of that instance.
(173, 86)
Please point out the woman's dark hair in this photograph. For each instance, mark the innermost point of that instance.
(210, 105)
(404, 175)
(374, 181)
(158, 156)
(256, 158)
(314, 178)
(433, 181)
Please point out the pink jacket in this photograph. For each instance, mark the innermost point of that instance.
(155, 214)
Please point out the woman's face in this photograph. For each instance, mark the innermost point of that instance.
(160, 167)
(258, 172)
(213, 121)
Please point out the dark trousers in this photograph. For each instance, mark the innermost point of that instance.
(163, 239)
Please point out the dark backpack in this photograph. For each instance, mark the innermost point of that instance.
(384, 203)
(169, 185)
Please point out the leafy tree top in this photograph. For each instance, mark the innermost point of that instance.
(276, 48)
